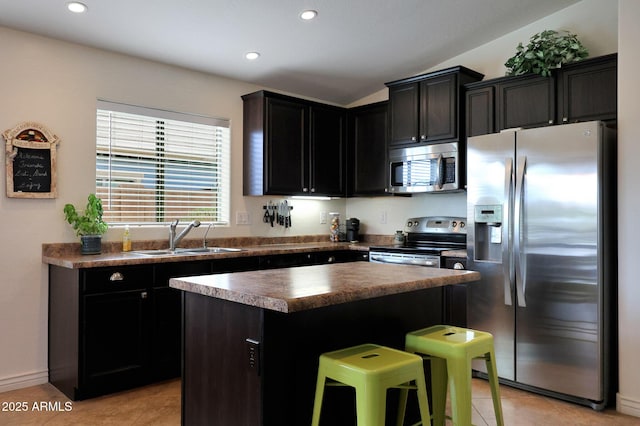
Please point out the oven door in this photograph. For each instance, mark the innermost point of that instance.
(428, 168)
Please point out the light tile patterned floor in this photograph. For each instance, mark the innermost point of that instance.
(159, 404)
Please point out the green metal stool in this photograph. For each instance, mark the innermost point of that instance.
(371, 370)
(450, 350)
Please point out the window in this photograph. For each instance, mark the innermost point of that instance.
(155, 166)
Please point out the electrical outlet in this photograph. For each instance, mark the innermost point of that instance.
(242, 218)
(323, 217)
(383, 218)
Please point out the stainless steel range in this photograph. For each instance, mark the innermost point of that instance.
(426, 238)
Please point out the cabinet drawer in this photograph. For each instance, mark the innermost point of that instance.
(101, 280)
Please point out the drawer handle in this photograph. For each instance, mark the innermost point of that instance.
(116, 276)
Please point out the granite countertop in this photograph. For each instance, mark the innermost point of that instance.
(308, 287)
(68, 255)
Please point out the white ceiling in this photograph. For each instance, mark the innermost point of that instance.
(349, 51)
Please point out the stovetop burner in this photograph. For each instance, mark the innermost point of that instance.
(431, 235)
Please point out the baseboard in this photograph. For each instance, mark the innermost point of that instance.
(627, 406)
(24, 380)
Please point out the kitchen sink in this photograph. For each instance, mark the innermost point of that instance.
(186, 251)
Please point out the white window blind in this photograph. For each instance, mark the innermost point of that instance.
(155, 166)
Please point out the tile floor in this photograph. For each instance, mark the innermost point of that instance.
(159, 404)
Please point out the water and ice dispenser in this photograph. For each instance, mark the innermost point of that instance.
(488, 233)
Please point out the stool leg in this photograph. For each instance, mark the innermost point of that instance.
(459, 370)
(423, 400)
(371, 406)
(438, 389)
(402, 406)
(317, 404)
(492, 372)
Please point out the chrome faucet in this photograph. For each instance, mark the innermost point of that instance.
(204, 239)
(173, 240)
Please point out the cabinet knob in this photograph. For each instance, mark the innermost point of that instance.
(116, 276)
(313, 190)
(331, 259)
(305, 189)
(423, 137)
(565, 119)
(144, 295)
(413, 138)
(550, 121)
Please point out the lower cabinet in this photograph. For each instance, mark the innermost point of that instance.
(120, 327)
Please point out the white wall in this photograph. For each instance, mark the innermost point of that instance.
(628, 206)
(56, 84)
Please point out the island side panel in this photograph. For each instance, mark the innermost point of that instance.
(219, 387)
(293, 342)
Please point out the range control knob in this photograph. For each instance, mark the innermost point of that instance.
(454, 224)
(409, 224)
(462, 224)
(416, 223)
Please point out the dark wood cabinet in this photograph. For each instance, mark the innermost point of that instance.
(427, 108)
(480, 117)
(588, 90)
(292, 146)
(116, 328)
(367, 150)
(526, 102)
(99, 329)
(581, 91)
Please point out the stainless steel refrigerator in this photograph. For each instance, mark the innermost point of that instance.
(541, 215)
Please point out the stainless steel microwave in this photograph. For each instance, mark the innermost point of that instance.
(426, 168)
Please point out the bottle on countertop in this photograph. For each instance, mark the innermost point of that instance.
(126, 239)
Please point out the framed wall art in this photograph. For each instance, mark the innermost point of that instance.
(30, 157)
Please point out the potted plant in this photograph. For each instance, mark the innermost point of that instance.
(88, 225)
(546, 51)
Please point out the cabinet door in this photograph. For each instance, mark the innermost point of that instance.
(327, 151)
(368, 150)
(115, 341)
(403, 114)
(438, 106)
(285, 154)
(480, 111)
(588, 92)
(526, 102)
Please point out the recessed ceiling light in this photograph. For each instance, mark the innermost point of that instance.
(308, 14)
(252, 55)
(77, 7)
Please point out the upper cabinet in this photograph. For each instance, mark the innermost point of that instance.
(293, 146)
(367, 150)
(426, 108)
(588, 90)
(581, 91)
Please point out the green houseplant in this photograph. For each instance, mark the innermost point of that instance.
(546, 51)
(88, 224)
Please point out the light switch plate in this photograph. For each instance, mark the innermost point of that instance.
(242, 218)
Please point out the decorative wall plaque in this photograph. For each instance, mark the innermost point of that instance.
(30, 151)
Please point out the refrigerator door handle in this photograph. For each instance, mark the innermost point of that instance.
(518, 219)
(507, 268)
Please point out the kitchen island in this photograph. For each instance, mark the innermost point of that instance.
(251, 340)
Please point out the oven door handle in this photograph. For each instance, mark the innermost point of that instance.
(440, 174)
(403, 261)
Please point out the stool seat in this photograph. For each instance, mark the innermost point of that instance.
(451, 350)
(371, 369)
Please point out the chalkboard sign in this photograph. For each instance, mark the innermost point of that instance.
(31, 161)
